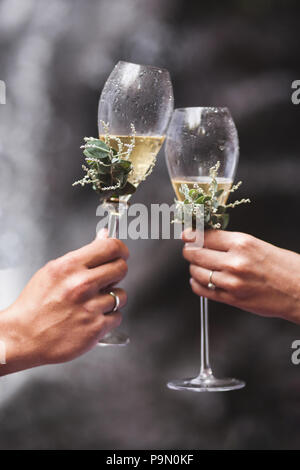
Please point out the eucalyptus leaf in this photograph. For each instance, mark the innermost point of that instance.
(193, 193)
(200, 200)
(221, 209)
(94, 153)
(127, 189)
(98, 142)
(219, 192)
(106, 168)
(225, 221)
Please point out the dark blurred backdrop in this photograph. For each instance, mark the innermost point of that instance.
(55, 57)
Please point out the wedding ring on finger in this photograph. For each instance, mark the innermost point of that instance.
(210, 284)
(117, 301)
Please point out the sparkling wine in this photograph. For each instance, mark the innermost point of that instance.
(143, 155)
(203, 182)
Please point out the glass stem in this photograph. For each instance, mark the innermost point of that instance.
(115, 211)
(205, 369)
(112, 224)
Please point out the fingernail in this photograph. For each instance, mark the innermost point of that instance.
(103, 233)
(191, 246)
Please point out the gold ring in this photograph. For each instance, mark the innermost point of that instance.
(210, 284)
(117, 301)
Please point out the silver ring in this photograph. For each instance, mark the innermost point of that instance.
(117, 301)
(210, 284)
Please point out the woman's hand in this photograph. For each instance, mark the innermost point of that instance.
(61, 313)
(248, 273)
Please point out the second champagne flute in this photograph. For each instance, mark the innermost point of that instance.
(197, 139)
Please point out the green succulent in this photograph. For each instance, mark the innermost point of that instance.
(214, 212)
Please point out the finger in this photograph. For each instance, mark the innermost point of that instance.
(188, 235)
(109, 273)
(202, 276)
(218, 295)
(209, 259)
(220, 240)
(105, 302)
(110, 302)
(108, 323)
(101, 251)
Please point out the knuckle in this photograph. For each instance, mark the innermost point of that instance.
(68, 261)
(238, 265)
(85, 317)
(234, 285)
(77, 288)
(61, 266)
(243, 241)
(53, 267)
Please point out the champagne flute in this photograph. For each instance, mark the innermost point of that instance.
(136, 99)
(197, 139)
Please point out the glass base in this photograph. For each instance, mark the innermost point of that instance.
(206, 384)
(114, 339)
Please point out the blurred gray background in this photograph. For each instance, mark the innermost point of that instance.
(55, 57)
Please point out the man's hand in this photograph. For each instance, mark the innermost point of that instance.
(61, 312)
(248, 273)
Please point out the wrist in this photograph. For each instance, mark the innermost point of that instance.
(16, 350)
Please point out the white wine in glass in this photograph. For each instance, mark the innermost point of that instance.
(197, 139)
(143, 156)
(137, 100)
(203, 182)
